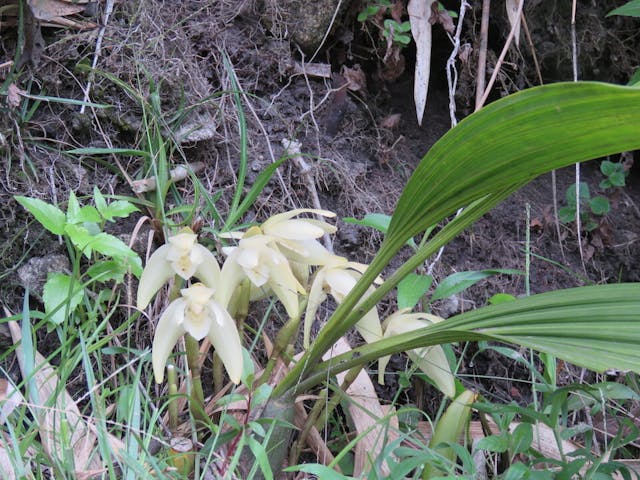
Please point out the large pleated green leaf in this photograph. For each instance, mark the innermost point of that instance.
(477, 164)
(597, 327)
(514, 140)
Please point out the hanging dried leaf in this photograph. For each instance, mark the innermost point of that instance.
(514, 19)
(443, 17)
(366, 413)
(10, 398)
(49, 10)
(419, 15)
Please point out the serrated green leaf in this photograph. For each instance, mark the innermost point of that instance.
(120, 209)
(49, 216)
(107, 270)
(62, 294)
(412, 288)
(460, 281)
(607, 167)
(494, 443)
(521, 438)
(599, 205)
(567, 214)
(98, 198)
(80, 237)
(618, 179)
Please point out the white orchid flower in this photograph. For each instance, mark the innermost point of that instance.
(297, 238)
(430, 360)
(337, 278)
(256, 257)
(199, 315)
(181, 255)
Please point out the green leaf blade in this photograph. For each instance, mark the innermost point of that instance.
(49, 216)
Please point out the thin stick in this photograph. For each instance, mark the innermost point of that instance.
(482, 54)
(574, 59)
(105, 19)
(503, 54)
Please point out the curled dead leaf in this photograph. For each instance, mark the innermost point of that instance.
(355, 78)
(443, 17)
(13, 95)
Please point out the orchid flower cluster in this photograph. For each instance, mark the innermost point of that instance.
(281, 257)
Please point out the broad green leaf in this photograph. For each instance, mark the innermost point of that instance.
(80, 237)
(98, 198)
(599, 205)
(412, 288)
(119, 208)
(521, 438)
(77, 214)
(635, 79)
(570, 194)
(460, 281)
(629, 9)
(50, 216)
(499, 298)
(62, 294)
(114, 247)
(613, 391)
(476, 165)
(494, 443)
(320, 471)
(597, 327)
(107, 270)
(549, 127)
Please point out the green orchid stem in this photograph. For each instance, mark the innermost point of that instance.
(287, 333)
(349, 378)
(196, 401)
(172, 380)
(218, 373)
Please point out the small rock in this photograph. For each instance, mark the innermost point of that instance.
(33, 274)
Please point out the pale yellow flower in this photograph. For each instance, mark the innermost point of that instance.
(181, 255)
(199, 315)
(337, 278)
(430, 360)
(257, 258)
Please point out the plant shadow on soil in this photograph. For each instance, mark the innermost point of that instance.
(360, 167)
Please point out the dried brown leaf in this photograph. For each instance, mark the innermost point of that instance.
(355, 78)
(443, 17)
(419, 15)
(13, 95)
(48, 10)
(366, 414)
(514, 19)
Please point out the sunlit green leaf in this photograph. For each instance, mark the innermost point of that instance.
(62, 294)
(50, 216)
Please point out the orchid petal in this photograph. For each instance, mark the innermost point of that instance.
(294, 230)
(231, 276)
(311, 252)
(316, 297)
(433, 363)
(225, 339)
(168, 331)
(369, 326)
(281, 217)
(340, 282)
(156, 273)
(208, 272)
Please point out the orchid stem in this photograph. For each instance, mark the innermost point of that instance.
(288, 332)
(218, 374)
(172, 380)
(196, 401)
(331, 405)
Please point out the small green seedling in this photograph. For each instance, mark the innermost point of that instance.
(399, 32)
(615, 174)
(589, 206)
